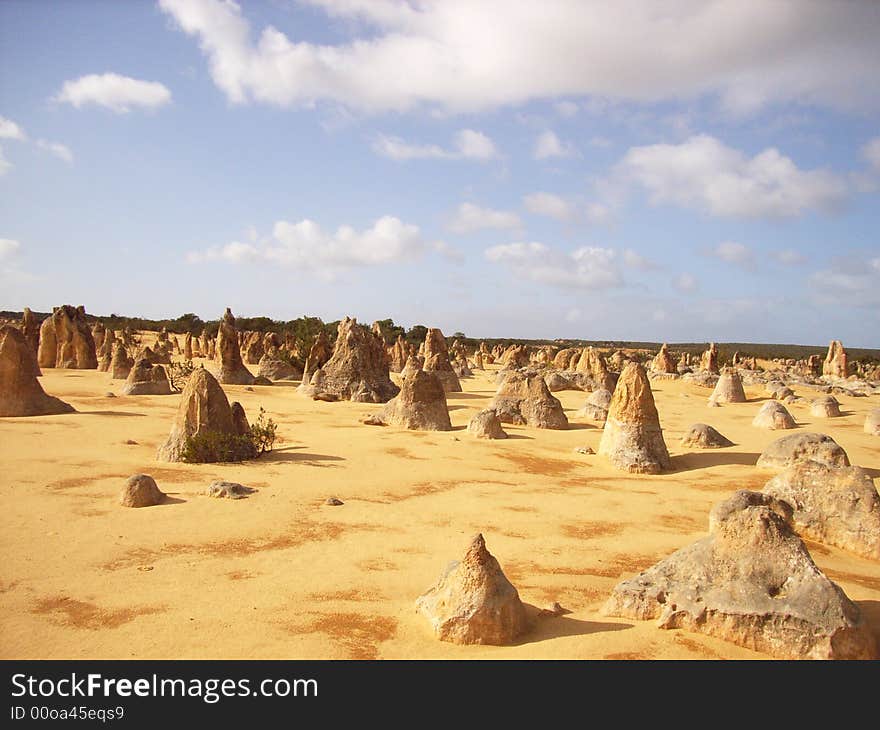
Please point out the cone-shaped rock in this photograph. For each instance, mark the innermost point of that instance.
(486, 425)
(826, 407)
(121, 364)
(20, 392)
(145, 378)
(702, 436)
(30, 328)
(47, 352)
(709, 360)
(632, 439)
(729, 388)
(203, 408)
(872, 422)
(474, 602)
(437, 360)
(525, 400)
(75, 346)
(420, 405)
(319, 353)
(799, 447)
(399, 355)
(751, 582)
(105, 354)
(358, 370)
(141, 491)
(835, 364)
(774, 416)
(232, 369)
(663, 362)
(188, 346)
(832, 505)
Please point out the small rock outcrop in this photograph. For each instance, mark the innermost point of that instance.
(729, 388)
(525, 400)
(832, 505)
(121, 364)
(596, 407)
(709, 359)
(702, 436)
(663, 362)
(437, 360)
(66, 340)
(825, 407)
(835, 365)
(420, 405)
(358, 369)
(872, 422)
(146, 378)
(632, 438)
(486, 425)
(752, 582)
(232, 369)
(20, 392)
(801, 447)
(473, 602)
(774, 416)
(228, 490)
(141, 491)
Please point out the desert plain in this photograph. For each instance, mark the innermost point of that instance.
(282, 574)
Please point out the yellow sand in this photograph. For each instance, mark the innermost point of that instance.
(282, 575)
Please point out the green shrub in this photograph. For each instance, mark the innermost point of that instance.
(213, 446)
(263, 433)
(178, 373)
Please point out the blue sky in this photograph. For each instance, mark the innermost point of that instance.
(637, 171)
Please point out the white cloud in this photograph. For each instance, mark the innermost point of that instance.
(5, 165)
(469, 217)
(851, 281)
(686, 282)
(704, 173)
(10, 130)
(115, 92)
(548, 145)
(461, 55)
(566, 109)
(467, 144)
(56, 148)
(305, 245)
(635, 260)
(734, 253)
(789, 257)
(598, 213)
(871, 152)
(588, 267)
(550, 205)
(8, 248)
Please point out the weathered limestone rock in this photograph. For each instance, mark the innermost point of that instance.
(358, 370)
(525, 400)
(751, 582)
(709, 360)
(663, 362)
(486, 425)
(66, 340)
(826, 407)
(319, 353)
(274, 368)
(702, 436)
(632, 438)
(146, 378)
(188, 346)
(420, 405)
(800, 447)
(474, 602)
(232, 369)
(832, 505)
(593, 365)
(596, 407)
(20, 392)
(141, 491)
(399, 355)
(437, 360)
(556, 381)
(773, 415)
(872, 422)
(203, 408)
(835, 365)
(30, 328)
(413, 364)
(228, 490)
(121, 364)
(729, 388)
(98, 334)
(105, 354)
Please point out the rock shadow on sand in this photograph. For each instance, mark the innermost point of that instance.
(109, 413)
(718, 457)
(545, 628)
(293, 453)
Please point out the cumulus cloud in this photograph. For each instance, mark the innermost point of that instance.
(588, 267)
(467, 144)
(566, 109)
(850, 281)
(548, 145)
(56, 148)
(10, 130)
(704, 173)
(635, 260)
(8, 248)
(871, 152)
(789, 256)
(734, 253)
(115, 92)
(469, 217)
(686, 283)
(461, 55)
(550, 205)
(305, 245)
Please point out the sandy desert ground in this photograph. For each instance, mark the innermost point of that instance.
(283, 575)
